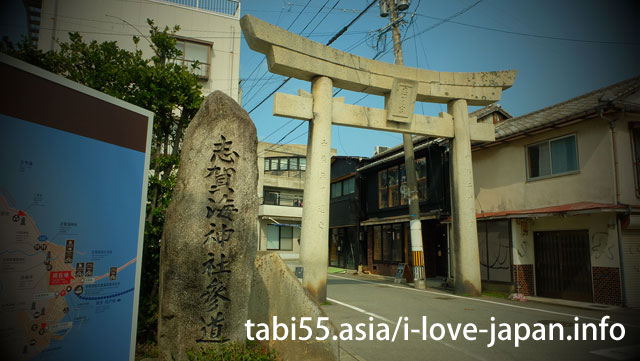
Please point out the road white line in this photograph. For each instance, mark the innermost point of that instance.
(467, 353)
(360, 310)
(480, 300)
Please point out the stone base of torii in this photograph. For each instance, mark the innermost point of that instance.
(291, 55)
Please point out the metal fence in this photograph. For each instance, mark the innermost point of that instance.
(281, 199)
(286, 173)
(226, 7)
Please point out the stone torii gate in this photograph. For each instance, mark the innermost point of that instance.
(291, 55)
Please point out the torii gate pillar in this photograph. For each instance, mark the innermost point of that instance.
(466, 252)
(314, 236)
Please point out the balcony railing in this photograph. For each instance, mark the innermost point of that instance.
(279, 199)
(286, 173)
(226, 7)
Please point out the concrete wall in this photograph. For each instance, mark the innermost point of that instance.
(275, 291)
(102, 21)
(511, 190)
(603, 245)
(603, 239)
(262, 232)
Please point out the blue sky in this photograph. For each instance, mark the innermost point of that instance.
(549, 71)
(489, 35)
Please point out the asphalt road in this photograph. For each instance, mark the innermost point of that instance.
(356, 300)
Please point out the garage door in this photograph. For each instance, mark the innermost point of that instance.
(631, 246)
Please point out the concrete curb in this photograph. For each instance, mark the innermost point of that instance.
(575, 304)
(550, 301)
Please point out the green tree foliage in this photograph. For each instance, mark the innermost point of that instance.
(252, 351)
(168, 89)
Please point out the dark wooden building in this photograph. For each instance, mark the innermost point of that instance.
(385, 218)
(347, 245)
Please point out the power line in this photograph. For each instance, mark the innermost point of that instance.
(289, 78)
(548, 37)
(335, 37)
(263, 58)
(338, 34)
(448, 19)
(318, 24)
(275, 131)
(325, 16)
(309, 23)
(263, 85)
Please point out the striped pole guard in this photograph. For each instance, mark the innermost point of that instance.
(417, 258)
(418, 265)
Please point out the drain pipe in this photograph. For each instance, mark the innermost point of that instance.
(612, 126)
(623, 287)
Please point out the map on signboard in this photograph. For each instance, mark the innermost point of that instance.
(69, 226)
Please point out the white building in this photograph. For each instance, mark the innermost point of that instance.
(280, 188)
(209, 30)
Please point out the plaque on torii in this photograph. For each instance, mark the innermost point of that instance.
(294, 56)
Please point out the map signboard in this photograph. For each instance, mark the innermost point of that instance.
(73, 186)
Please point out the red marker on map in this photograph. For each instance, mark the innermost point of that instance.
(60, 278)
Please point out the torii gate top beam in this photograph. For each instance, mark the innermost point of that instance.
(292, 55)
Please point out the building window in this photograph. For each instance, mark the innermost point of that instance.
(336, 189)
(391, 180)
(421, 175)
(394, 188)
(195, 52)
(552, 157)
(343, 187)
(275, 198)
(271, 198)
(383, 192)
(285, 163)
(635, 140)
(349, 185)
(387, 243)
(279, 238)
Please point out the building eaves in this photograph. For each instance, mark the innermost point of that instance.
(570, 209)
(565, 110)
(495, 107)
(396, 155)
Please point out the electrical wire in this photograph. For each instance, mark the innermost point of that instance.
(548, 37)
(335, 37)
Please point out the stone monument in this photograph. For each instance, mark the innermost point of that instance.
(209, 241)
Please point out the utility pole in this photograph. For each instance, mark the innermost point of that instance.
(391, 7)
